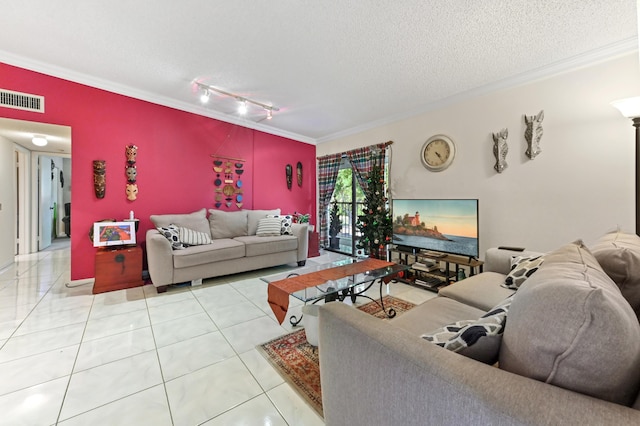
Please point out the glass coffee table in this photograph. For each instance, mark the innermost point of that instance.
(342, 287)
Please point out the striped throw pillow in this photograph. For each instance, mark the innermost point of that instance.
(269, 227)
(190, 237)
(285, 225)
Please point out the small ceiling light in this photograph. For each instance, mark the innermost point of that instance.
(204, 98)
(242, 108)
(39, 141)
(269, 114)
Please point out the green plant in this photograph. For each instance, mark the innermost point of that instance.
(335, 225)
(302, 217)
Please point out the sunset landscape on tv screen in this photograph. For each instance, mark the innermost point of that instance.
(448, 226)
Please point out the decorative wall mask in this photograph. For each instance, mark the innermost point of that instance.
(299, 173)
(289, 175)
(99, 177)
(130, 170)
(131, 173)
(500, 150)
(132, 191)
(533, 134)
(131, 151)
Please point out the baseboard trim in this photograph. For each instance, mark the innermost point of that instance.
(78, 283)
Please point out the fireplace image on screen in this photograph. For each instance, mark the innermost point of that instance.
(442, 225)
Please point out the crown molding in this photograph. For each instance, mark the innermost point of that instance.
(132, 92)
(591, 57)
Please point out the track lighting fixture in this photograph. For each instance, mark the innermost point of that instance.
(244, 102)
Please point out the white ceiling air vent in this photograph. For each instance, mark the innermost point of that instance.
(23, 101)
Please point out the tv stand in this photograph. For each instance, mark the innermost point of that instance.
(407, 249)
(423, 274)
(431, 254)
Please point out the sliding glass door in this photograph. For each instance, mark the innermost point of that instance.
(349, 197)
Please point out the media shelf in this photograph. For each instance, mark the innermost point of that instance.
(433, 270)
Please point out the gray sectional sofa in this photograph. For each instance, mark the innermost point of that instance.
(230, 246)
(569, 352)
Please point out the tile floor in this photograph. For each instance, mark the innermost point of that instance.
(135, 357)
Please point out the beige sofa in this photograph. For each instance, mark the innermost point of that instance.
(233, 247)
(569, 352)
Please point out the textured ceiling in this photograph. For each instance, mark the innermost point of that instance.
(332, 67)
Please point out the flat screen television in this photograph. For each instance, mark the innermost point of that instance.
(441, 225)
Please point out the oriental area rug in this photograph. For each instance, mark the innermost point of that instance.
(297, 361)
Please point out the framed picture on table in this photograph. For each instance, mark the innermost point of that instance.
(114, 234)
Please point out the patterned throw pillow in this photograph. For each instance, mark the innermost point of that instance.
(461, 336)
(286, 221)
(190, 237)
(522, 267)
(172, 233)
(269, 227)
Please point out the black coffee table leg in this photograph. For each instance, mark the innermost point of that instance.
(293, 320)
(391, 312)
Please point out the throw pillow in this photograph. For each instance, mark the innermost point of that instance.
(253, 216)
(227, 224)
(569, 326)
(286, 221)
(196, 220)
(478, 339)
(269, 227)
(522, 267)
(172, 233)
(619, 255)
(191, 237)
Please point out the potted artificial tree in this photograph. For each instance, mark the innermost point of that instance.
(335, 226)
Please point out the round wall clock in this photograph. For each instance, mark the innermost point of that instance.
(437, 153)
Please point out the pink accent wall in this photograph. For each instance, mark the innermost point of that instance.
(174, 162)
(270, 162)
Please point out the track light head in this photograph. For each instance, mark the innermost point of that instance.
(269, 114)
(242, 108)
(204, 97)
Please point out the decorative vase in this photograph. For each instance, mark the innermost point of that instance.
(334, 242)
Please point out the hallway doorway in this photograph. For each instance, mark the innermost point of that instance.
(41, 186)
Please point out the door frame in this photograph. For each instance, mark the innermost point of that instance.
(35, 196)
(22, 243)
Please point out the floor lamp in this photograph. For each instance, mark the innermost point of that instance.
(630, 108)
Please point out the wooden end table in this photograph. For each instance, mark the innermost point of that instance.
(118, 268)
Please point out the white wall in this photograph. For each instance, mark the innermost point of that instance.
(7, 199)
(580, 186)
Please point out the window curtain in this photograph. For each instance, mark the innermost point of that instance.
(328, 167)
(363, 159)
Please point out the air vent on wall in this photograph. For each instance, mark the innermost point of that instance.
(23, 101)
